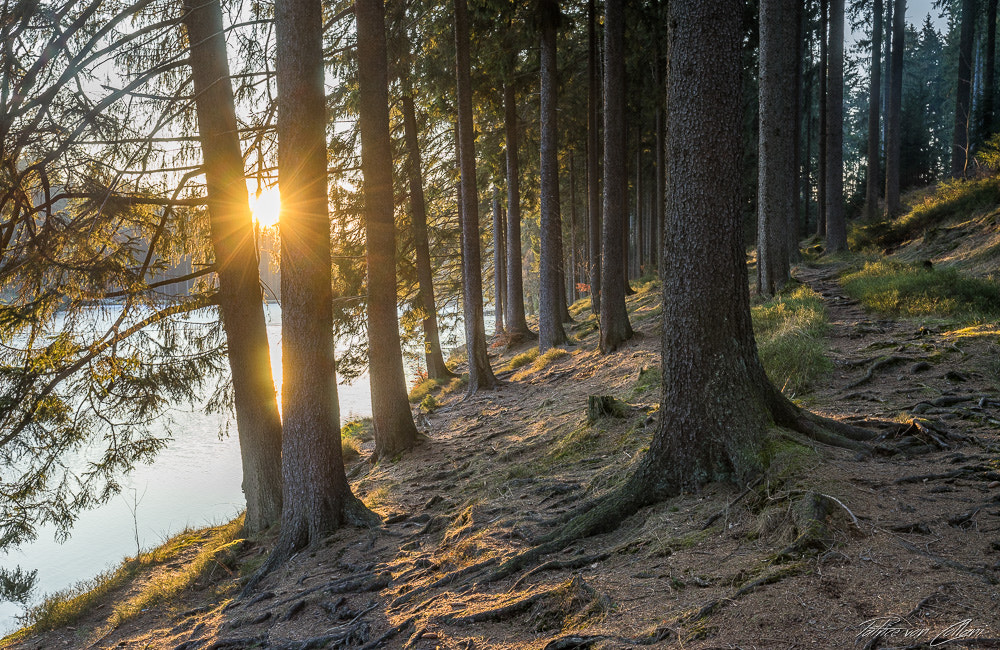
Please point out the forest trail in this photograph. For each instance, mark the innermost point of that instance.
(913, 534)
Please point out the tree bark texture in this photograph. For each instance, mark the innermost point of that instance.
(573, 275)
(824, 64)
(874, 102)
(836, 223)
(893, 140)
(317, 497)
(963, 94)
(593, 158)
(776, 151)
(989, 71)
(615, 327)
(391, 417)
(480, 373)
(240, 299)
(517, 326)
(436, 367)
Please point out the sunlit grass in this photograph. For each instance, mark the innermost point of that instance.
(523, 359)
(789, 329)
(423, 388)
(898, 289)
(540, 362)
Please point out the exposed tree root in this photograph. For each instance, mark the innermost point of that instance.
(982, 572)
(556, 565)
(441, 582)
(882, 362)
(389, 634)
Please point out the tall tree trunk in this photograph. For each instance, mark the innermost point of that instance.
(640, 224)
(498, 264)
(836, 223)
(550, 312)
(893, 141)
(989, 71)
(317, 497)
(593, 156)
(572, 229)
(792, 236)
(776, 152)
(874, 102)
(240, 299)
(963, 103)
(517, 326)
(436, 367)
(391, 417)
(615, 327)
(824, 63)
(480, 373)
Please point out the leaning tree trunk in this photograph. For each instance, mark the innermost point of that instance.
(776, 156)
(240, 300)
(593, 156)
(963, 104)
(874, 99)
(550, 329)
(480, 373)
(391, 417)
(836, 223)
(821, 163)
(517, 326)
(893, 139)
(317, 497)
(436, 367)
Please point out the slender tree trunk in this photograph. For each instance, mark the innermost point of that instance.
(659, 195)
(893, 142)
(550, 312)
(776, 152)
(615, 327)
(436, 367)
(317, 497)
(593, 156)
(480, 373)
(640, 225)
(498, 264)
(572, 229)
(989, 71)
(517, 326)
(392, 420)
(874, 101)
(240, 299)
(963, 104)
(836, 222)
(793, 233)
(821, 175)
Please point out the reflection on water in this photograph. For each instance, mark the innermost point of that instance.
(194, 482)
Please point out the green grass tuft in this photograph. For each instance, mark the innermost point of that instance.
(540, 362)
(523, 359)
(423, 388)
(789, 330)
(912, 290)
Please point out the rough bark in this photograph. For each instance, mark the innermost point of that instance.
(874, 102)
(776, 151)
(989, 71)
(963, 94)
(821, 162)
(836, 223)
(615, 326)
(480, 373)
(893, 139)
(593, 156)
(391, 418)
(517, 326)
(792, 236)
(436, 366)
(550, 316)
(499, 278)
(317, 497)
(240, 299)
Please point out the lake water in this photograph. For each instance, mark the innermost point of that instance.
(194, 482)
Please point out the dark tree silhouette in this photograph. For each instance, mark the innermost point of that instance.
(822, 161)
(963, 94)
(391, 417)
(517, 326)
(893, 138)
(989, 71)
(593, 157)
(836, 223)
(874, 102)
(615, 327)
(480, 373)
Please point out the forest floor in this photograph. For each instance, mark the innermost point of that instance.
(911, 551)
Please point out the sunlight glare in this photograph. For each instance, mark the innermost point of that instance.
(266, 208)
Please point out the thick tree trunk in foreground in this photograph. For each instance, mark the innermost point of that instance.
(317, 497)
(874, 101)
(480, 373)
(615, 327)
(436, 367)
(776, 153)
(550, 311)
(824, 64)
(963, 94)
(593, 166)
(517, 326)
(240, 299)
(893, 138)
(836, 223)
(391, 417)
